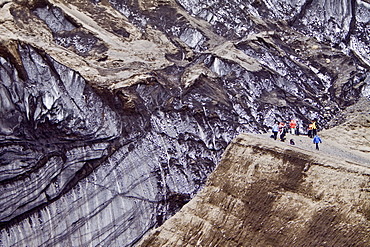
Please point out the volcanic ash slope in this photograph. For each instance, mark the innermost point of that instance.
(269, 193)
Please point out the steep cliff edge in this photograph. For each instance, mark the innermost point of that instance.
(269, 193)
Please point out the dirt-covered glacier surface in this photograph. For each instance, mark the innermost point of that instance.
(113, 113)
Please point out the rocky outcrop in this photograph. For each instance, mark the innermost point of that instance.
(113, 113)
(266, 193)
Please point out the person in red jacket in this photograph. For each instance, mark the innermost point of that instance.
(293, 125)
(309, 131)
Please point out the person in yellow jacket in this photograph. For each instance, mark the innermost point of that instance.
(314, 128)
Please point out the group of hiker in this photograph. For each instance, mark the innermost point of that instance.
(293, 127)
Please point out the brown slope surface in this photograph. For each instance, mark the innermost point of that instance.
(269, 193)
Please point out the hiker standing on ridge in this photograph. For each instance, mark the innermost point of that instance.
(281, 126)
(293, 125)
(316, 140)
(309, 131)
(282, 131)
(297, 128)
(314, 128)
(275, 130)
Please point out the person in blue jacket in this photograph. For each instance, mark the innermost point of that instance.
(317, 140)
(275, 130)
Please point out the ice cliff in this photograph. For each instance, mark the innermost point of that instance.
(113, 113)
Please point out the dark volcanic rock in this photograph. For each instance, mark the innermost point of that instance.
(113, 113)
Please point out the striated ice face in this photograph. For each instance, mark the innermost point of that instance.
(286, 9)
(60, 124)
(54, 18)
(360, 39)
(101, 167)
(192, 37)
(327, 20)
(366, 88)
(220, 67)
